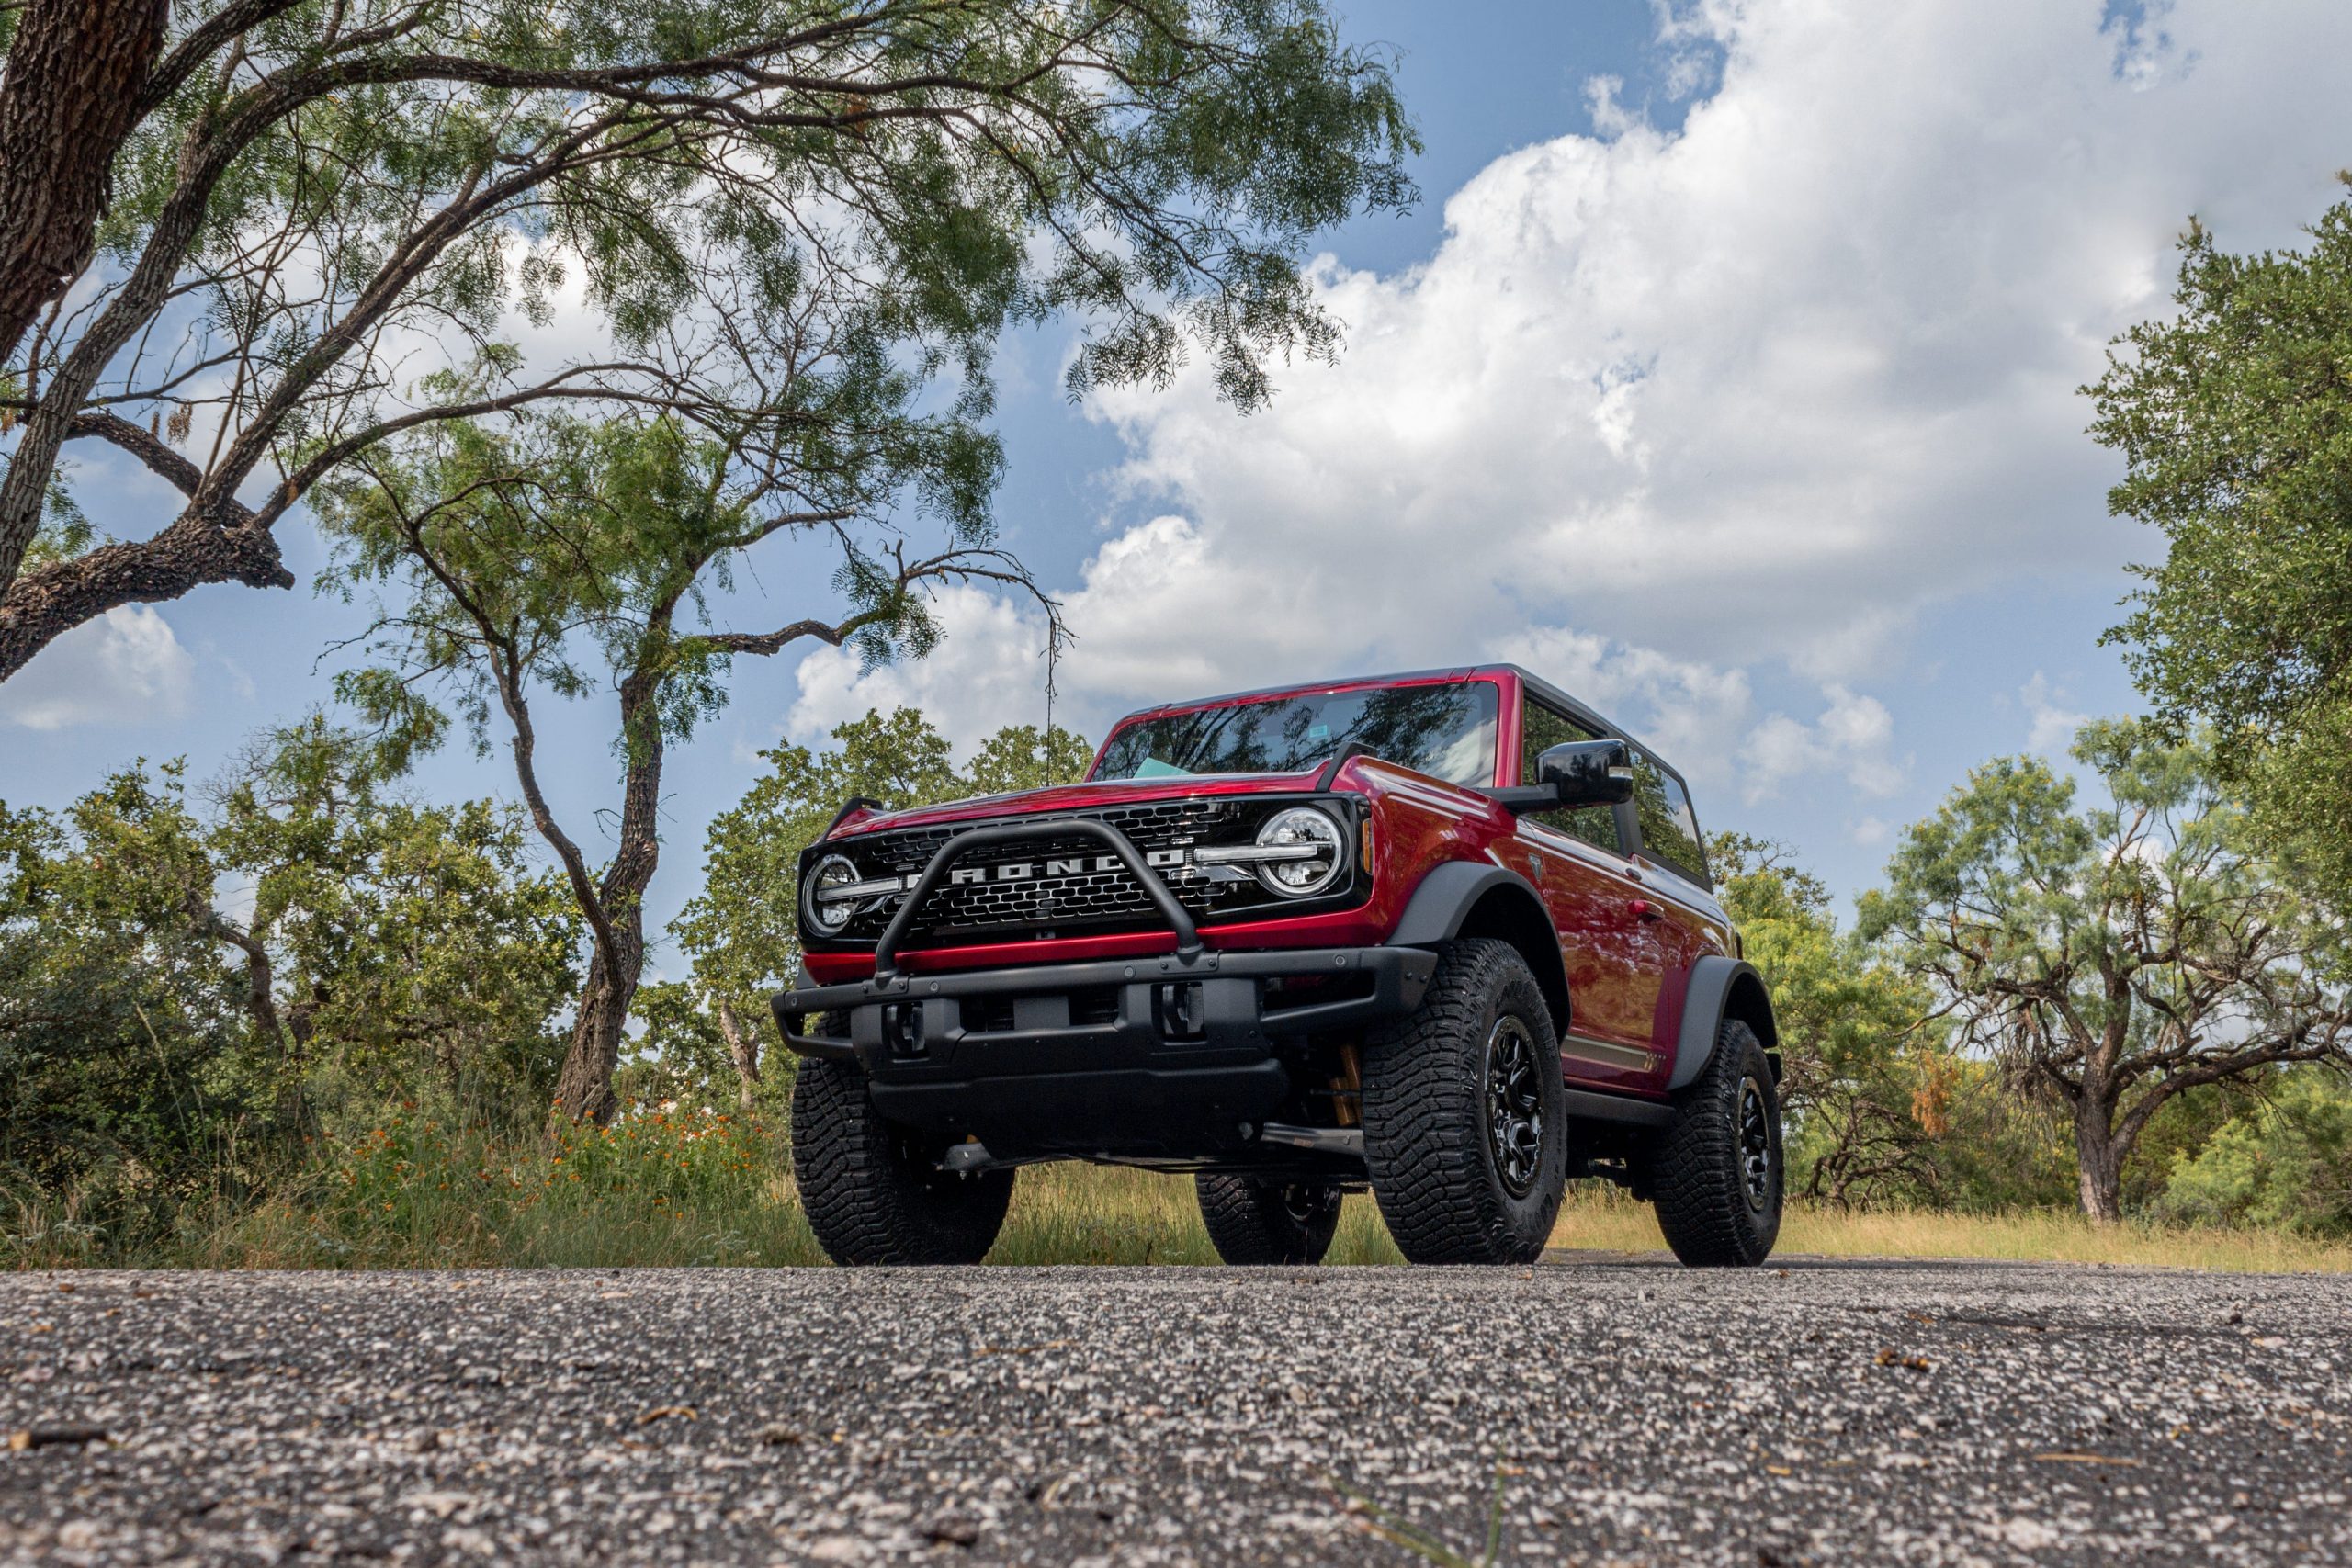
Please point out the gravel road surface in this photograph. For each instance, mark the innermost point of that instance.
(1823, 1412)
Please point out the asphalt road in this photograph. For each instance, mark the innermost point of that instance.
(1822, 1413)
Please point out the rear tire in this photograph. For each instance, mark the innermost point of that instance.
(1717, 1172)
(873, 1191)
(1465, 1114)
(1254, 1222)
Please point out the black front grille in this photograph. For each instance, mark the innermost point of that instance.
(1088, 898)
(1091, 892)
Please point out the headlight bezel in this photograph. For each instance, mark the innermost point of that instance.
(821, 918)
(1328, 830)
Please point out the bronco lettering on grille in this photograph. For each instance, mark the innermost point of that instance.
(1023, 871)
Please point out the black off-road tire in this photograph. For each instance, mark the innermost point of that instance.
(1441, 1185)
(1715, 1212)
(1252, 1220)
(872, 1191)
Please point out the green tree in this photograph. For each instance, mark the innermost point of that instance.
(123, 1032)
(182, 987)
(402, 948)
(1867, 1082)
(2284, 1162)
(684, 1058)
(221, 263)
(2118, 956)
(1024, 756)
(555, 557)
(741, 930)
(2234, 417)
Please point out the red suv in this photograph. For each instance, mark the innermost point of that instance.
(1447, 935)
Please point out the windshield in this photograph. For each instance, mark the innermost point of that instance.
(1444, 730)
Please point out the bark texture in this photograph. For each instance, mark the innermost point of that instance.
(222, 545)
(2098, 1161)
(742, 1049)
(76, 74)
(584, 1089)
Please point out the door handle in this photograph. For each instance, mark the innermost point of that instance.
(1646, 910)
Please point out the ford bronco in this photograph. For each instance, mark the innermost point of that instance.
(1448, 935)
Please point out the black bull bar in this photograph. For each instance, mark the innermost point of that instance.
(1121, 1050)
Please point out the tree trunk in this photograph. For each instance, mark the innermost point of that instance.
(583, 1089)
(2098, 1159)
(75, 73)
(743, 1046)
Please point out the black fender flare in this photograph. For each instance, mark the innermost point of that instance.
(1721, 987)
(1447, 897)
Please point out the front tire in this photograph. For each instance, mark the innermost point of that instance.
(873, 1191)
(1717, 1173)
(1465, 1114)
(1253, 1222)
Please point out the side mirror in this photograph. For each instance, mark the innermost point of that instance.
(1589, 772)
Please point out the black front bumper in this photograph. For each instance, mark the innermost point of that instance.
(1178, 1057)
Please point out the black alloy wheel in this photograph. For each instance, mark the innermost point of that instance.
(1755, 1144)
(1514, 1105)
(1465, 1117)
(1716, 1173)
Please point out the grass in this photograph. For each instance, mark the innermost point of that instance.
(656, 1192)
(1609, 1222)
(1082, 1213)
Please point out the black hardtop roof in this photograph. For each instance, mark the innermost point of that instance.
(1574, 707)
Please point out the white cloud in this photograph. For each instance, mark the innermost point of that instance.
(988, 671)
(1680, 707)
(125, 667)
(1850, 737)
(1678, 414)
(2053, 726)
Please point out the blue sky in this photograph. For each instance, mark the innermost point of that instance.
(1726, 374)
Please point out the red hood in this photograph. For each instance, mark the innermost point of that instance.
(1079, 798)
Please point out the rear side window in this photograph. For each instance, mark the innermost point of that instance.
(1540, 729)
(1669, 832)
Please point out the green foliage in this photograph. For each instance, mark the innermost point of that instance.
(423, 954)
(681, 1060)
(1867, 1084)
(741, 931)
(65, 529)
(2285, 1162)
(554, 552)
(1023, 756)
(2113, 957)
(734, 188)
(158, 1047)
(125, 1076)
(2235, 420)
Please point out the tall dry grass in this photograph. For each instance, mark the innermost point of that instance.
(1608, 1221)
(654, 1192)
(1084, 1214)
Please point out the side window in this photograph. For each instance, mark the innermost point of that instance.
(1669, 832)
(1540, 729)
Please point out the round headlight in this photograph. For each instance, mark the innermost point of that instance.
(1314, 844)
(828, 916)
